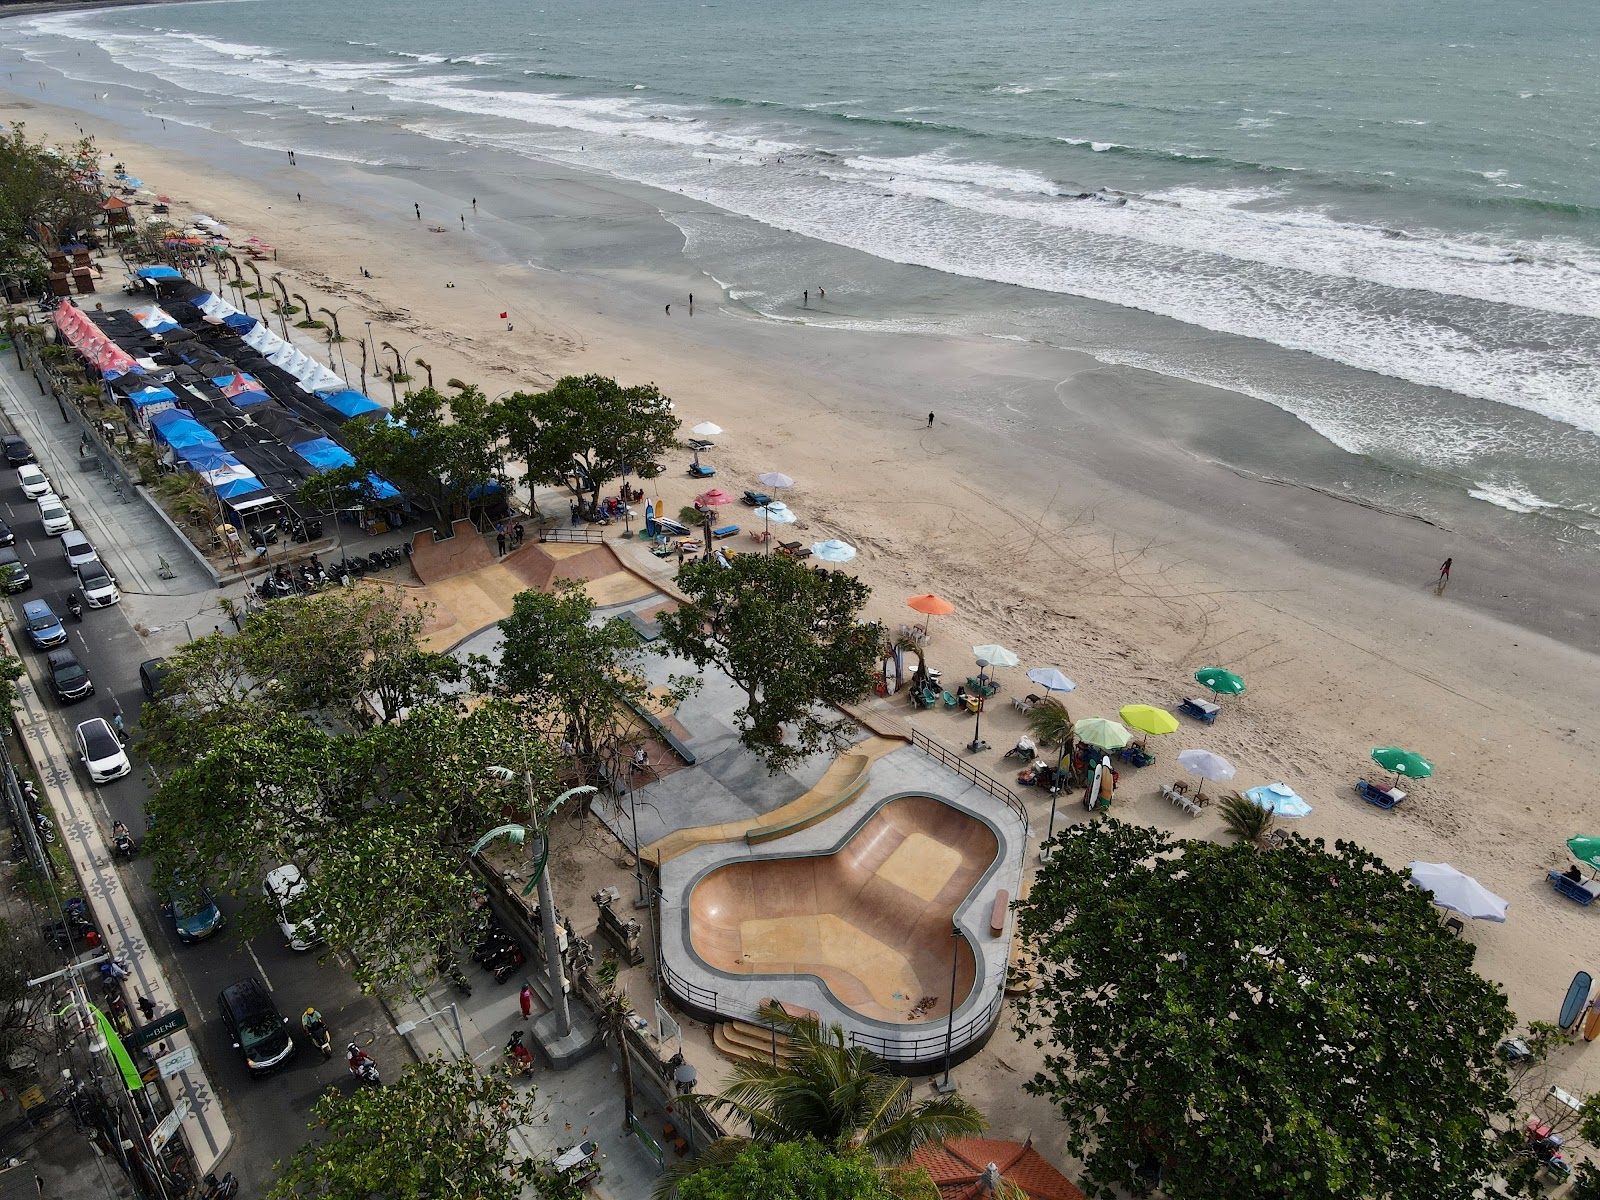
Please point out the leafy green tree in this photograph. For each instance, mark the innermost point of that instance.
(576, 676)
(11, 670)
(588, 430)
(24, 1011)
(789, 637)
(840, 1095)
(804, 1170)
(441, 1129)
(46, 196)
(442, 452)
(1292, 1025)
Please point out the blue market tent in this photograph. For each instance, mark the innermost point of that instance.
(158, 273)
(240, 322)
(324, 454)
(349, 402)
(145, 397)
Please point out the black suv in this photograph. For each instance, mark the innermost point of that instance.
(260, 1032)
(17, 449)
(14, 575)
(68, 680)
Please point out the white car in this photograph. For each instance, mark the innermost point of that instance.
(99, 584)
(54, 514)
(282, 886)
(35, 482)
(101, 752)
(77, 548)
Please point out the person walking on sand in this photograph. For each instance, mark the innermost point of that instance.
(930, 420)
(525, 997)
(1444, 575)
(805, 298)
(418, 207)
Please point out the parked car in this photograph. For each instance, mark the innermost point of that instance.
(195, 915)
(68, 680)
(282, 887)
(99, 585)
(35, 482)
(53, 513)
(151, 672)
(44, 627)
(76, 546)
(8, 536)
(17, 449)
(260, 1032)
(101, 752)
(14, 575)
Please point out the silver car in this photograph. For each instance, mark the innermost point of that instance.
(99, 585)
(77, 548)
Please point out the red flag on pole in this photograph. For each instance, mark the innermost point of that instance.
(503, 316)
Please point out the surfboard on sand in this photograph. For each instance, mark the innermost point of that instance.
(1591, 1023)
(1577, 997)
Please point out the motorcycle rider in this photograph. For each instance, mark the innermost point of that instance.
(74, 605)
(360, 1062)
(121, 838)
(317, 1030)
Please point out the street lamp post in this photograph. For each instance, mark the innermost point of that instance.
(944, 1085)
(978, 743)
(541, 879)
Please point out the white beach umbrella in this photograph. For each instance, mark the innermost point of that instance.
(1051, 679)
(998, 656)
(1206, 764)
(706, 429)
(777, 513)
(833, 550)
(776, 480)
(1454, 890)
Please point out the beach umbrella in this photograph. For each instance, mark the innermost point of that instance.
(1585, 850)
(998, 656)
(1279, 799)
(1101, 733)
(774, 512)
(706, 429)
(1453, 890)
(1051, 680)
(1147, 718)
(933, 606)
(1223, 683)
(1207, 765)
(774, 479)
(715, 498)
(833, 550)
(1402, 762)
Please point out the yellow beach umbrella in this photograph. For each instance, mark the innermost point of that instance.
(1146, 718)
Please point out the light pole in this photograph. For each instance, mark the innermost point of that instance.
(541, 880)
(944, 1085)
(978, 743)
(406, 1027)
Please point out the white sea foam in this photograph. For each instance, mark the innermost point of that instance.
(1517, 499)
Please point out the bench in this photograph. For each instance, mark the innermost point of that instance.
(997, 915)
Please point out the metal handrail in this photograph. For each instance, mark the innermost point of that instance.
(961, 766)
(564, 533)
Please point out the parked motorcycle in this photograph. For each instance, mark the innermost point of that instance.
(225, 1188)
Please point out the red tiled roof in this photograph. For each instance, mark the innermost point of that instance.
(957, 1168)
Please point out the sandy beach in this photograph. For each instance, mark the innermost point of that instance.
(1117, 549)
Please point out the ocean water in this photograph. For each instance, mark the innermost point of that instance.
(1382, 218)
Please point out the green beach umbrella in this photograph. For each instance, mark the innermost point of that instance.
(1101, 733)
(1402, 762)
(1586, 850)
(1223, 683)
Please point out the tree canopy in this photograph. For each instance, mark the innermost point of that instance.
(1239, 1024)
(440, 1129)
(576, 677)
(442, 452)
(789, 637)
(270, 752)
(42, 185)
(588, 430)
(804, 1170)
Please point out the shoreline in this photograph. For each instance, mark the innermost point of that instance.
(1129, 559)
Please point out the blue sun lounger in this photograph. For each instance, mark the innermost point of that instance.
(725, 531)
(1381, 797)
(1584, 891)
(1200, 710)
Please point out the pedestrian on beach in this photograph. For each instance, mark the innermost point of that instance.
(463, 220)
(691, 299)
(669, 310)
(805, 297)
(930, 420)
(418, 207)
(474, 204)
(1444, 575)
(821, 293)
(525, 997)
(299, 197)
(147, 1006)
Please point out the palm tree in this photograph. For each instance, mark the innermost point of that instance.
(840, 1094)
(399, 374)
(310, 322)
(428, 367)
(261, 292)
(1245, 819)
(333, 316)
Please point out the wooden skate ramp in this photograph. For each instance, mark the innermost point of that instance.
(540, 564)
(466, 551)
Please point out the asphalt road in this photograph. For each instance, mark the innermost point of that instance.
(269, 1116)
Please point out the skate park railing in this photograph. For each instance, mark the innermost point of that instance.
(564, 533)
(949, 758)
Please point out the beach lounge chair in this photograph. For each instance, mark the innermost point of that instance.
(756, 499)
(1178, 793)
(795, 549)
(1024, 704)
(1200, 710)
(949, 700)
(724, 531)
(1381, 797)
(701, 472)
(1583, 892)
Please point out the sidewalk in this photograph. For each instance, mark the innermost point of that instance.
(580, 1103)
(80, 815)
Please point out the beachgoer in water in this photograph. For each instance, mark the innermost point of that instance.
(669, 310)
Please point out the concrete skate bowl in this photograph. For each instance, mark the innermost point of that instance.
(870, 919)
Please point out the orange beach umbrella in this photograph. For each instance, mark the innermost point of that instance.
(933, 606)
